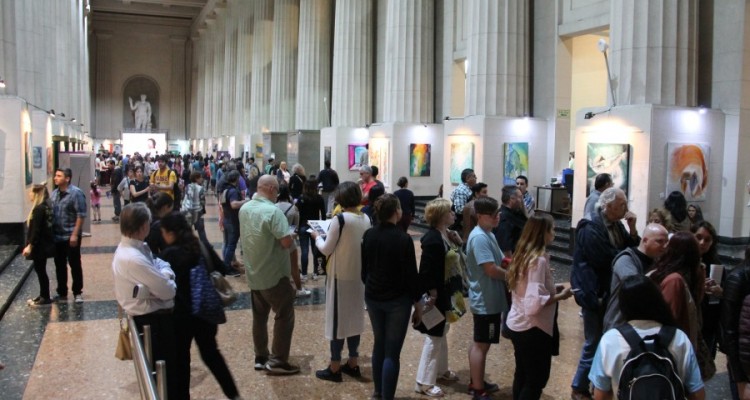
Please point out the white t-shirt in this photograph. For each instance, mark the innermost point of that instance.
(613, 350)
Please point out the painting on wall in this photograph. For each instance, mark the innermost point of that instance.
(379, 156)
(357, 156)
(327, 154)
(37, 156)
(687, 169)
(419, 159)
(27, 157)
(613, 159)
(462, 157)
(516, 162)
(50, 167)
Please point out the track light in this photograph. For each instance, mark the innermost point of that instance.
(588, 115)
(52, 113)
(62, 115)
(702, 110)
(2, 83)
(73, 119)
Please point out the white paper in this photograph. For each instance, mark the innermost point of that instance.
(431, 316)
(716, 273)
(320, 226)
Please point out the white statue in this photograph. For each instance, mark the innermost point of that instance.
(142, 110)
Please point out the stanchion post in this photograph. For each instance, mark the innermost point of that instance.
(161, 379)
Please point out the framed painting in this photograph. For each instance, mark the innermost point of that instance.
(687, 169)
(516, 162)
(379, 156)
(327, 154)
(613, 159)
(28, 158)
(358, 156)
(462, 157)
(37, 156)
(419, 159)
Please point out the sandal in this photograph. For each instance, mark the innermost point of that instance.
(429, 391)
(449, 376)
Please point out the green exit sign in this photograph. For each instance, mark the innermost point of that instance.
(563, 113)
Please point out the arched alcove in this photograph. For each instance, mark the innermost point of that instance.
(134, 87)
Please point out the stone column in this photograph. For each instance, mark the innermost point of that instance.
(498, 57)
(261, 70)
(284, 61)
(409, 62)
(243, 78)
(208, 97)
(177, 89)
(218, 59)
(353, 61)
(653, 51)
(230, 66)
(103, 86)
(314, 65)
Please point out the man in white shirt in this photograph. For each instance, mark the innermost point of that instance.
(145, 287)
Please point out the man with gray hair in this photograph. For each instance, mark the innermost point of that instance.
(598, 241)
(633, 261)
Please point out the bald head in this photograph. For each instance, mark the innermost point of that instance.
(268, 186)
(654, 241)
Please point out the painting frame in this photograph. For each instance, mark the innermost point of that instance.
(612, 158)
(461, 157)
(37, 156)
(420, 156)
(688, 170)
(515, 161)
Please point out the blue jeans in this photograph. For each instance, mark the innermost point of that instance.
(593, 322)
(231, 237)
(337, 345)
(390, 321)
(116, 202)
(200, 227)
(305, 241)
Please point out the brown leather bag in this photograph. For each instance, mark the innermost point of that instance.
(123, 350)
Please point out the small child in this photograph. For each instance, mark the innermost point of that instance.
(96, 214)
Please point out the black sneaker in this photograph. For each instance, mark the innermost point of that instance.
(328, 375)
(39, 301)
(57, 297)
(282, 368)
(260, 363)
(354, 372)
(488, 388)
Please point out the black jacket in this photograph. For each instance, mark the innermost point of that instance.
(592, 261)
(509, 229)
(40, 235)
(432, 274)
(736, 287)
(389, 264)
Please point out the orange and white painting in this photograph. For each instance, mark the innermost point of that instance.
(687, 169)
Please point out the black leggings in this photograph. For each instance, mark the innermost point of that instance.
(40, 266)
(533, 352)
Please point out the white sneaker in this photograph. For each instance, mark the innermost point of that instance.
(303, 278)
(303, 292)
(315, 277)
(79, 298)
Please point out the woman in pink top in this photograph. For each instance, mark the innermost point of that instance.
(531, 317)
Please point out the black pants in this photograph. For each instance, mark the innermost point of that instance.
(188, 328)
(533, 353)
(40, 266)
(163, 348)
(65, 254)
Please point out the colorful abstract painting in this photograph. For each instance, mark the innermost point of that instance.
(419, 159)
(358, 156)
(516, 162)
(687, 169)
(613, 159)
(462, 157)
(379, 155)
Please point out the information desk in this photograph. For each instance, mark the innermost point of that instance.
(553, 200)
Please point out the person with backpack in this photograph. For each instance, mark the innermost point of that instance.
(164, 179)
(646, 358)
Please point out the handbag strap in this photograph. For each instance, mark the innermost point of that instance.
(209, 263)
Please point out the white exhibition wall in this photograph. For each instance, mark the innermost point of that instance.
(12, 179)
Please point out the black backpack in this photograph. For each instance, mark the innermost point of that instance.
(649, 372)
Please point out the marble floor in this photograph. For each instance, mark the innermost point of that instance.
(66, 351)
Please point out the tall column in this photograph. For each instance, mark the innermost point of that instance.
(217, 94)
(261, 72)
(409, 62)
(284, 61)
(498, 57)
(177, 89)
(103, 86)
(244, 9)
(210, 62)
(654, 51)
(314, 64)
(230, 66)
(351, 103)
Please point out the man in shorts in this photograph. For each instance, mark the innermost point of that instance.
(486, 293)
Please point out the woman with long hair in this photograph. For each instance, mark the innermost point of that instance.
(311, 207)
(40, 240)
(677, 207)
(705, 234)
(345, 292)
(389, 271)
(695, 214)
(183, 252)
(645, 310)
(682, 280)
(440, 257)
(532, 314)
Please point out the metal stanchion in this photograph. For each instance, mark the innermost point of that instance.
(147, 344)
(161, 379)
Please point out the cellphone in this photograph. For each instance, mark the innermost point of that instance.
(575, 290)
(136, 289)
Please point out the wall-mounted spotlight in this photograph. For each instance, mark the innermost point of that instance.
(73, 119)
(2, 83)
(702, 110)
(62, 115)
(52, 113)
(367, 125)
(425, 125)
(447, 118)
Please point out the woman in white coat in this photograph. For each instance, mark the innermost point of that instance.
(345, 291)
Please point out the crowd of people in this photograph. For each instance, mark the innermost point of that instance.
(478, 254)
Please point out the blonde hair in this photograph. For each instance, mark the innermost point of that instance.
(41, 195)
(435, 210)
(530, 246)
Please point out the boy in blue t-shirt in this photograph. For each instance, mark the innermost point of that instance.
(486, 292)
